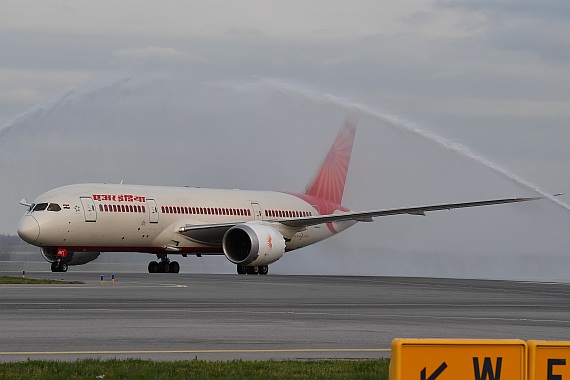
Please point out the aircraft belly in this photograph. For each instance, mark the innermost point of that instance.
(308, 236)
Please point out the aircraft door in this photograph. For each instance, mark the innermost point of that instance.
(89, 209)
(153, 210)
(256, 211)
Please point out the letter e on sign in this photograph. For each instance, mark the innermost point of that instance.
(453, 359)
(548, 360)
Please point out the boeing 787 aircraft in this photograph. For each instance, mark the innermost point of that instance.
(73, 224)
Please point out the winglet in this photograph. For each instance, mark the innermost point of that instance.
(328, 182)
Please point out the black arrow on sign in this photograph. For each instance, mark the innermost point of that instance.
(434, 375)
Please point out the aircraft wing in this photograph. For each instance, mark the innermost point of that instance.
(366, 216)
(206, 233)
(214, 233)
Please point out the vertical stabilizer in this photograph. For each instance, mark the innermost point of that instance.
(328, 182)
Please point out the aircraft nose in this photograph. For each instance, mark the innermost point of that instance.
(29, 229)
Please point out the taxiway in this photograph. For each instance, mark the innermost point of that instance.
(224, 317)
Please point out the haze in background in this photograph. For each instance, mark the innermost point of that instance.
(187, 95)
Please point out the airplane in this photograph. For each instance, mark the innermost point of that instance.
(73, 224)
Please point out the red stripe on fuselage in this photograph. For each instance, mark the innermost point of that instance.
(155, 250)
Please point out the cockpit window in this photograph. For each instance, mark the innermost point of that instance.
(53, 207)
(40, 207)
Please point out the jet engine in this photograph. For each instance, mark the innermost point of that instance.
(253, 245)
(73, 258)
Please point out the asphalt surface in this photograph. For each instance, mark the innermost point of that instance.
(225, 317)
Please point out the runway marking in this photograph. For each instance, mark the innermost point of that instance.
(117, 284)
(259, 351)
(64, 307)
(194, 304)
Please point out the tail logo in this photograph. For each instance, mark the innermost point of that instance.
(328, 183)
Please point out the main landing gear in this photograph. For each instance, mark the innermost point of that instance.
(262, 269)
(59, 266)
(164, 266)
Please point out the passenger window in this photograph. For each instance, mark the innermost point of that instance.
(53, 207)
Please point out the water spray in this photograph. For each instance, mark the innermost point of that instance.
(288, 89)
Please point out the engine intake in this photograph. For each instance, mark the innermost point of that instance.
(253, 245)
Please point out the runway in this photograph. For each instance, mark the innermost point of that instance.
(224, 317)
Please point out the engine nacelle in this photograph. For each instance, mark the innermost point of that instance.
(73, 258)
(253, 244)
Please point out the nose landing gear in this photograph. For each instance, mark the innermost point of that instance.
(59, 266)
(164, 266)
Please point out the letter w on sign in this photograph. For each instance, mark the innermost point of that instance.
(487, 371)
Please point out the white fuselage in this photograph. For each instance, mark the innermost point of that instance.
(114, 218)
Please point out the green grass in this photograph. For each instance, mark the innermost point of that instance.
(196, 369)
(20, 280)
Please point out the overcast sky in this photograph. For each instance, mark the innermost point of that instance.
(250, 94)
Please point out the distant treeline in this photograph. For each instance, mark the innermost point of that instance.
(11, 240)
(13, 243)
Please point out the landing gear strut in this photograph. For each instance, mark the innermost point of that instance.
(164, 266)
(59, 266)
(262, 269)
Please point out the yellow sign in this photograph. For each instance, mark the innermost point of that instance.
(453, 359)
(548, 360)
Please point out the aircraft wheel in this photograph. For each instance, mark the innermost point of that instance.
(54, 267)
(63, 267)
(251, 270)
(153, 267)
(174, 267)
(263, 269)
(241, 269)
(164, 267)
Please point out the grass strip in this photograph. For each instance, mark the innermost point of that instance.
(196, 369)
(20, 280)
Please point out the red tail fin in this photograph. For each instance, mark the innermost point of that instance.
(328, 182)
